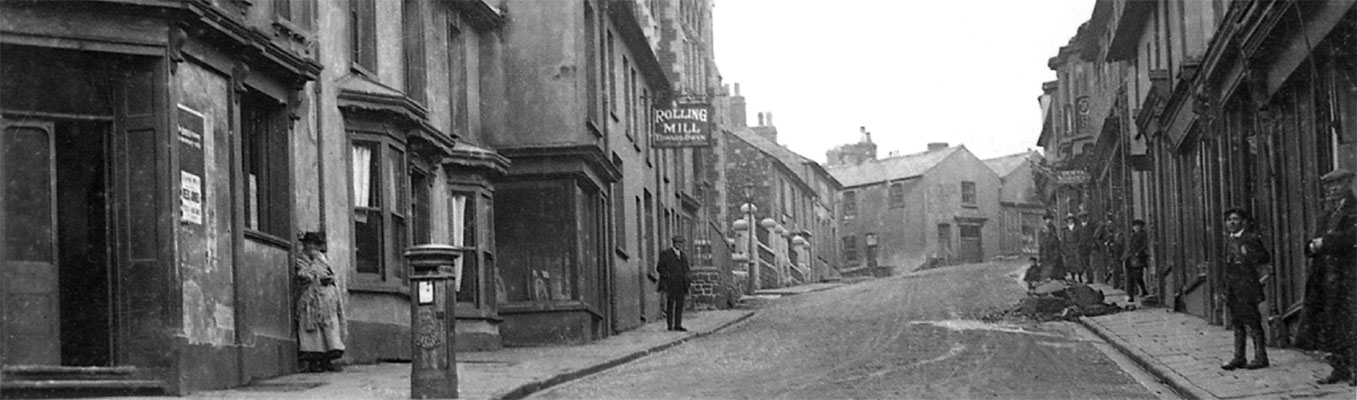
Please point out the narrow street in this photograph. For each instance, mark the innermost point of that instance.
(913, 336)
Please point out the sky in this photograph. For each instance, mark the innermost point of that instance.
(913, 72)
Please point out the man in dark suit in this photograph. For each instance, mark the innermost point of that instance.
(1049, 250)
(673, 269)
(1244, 252)
(1135, 259)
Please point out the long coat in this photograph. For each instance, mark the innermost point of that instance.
(673, 269)
(1071, 247)
(1243, 255)
(1051, 259)
(1327, 322)
(320, 310)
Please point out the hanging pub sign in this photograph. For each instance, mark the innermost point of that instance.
(685, 122)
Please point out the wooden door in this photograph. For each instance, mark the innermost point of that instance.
(29, 275)
(970, 249)
(141, 308)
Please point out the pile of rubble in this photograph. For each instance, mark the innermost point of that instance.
(1060, 300)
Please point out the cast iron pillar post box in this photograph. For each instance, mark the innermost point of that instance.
(433, 369)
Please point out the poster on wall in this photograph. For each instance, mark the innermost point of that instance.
(190, 198)
(192, 126)
(684, 122)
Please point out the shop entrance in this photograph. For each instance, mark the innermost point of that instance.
(56, 274)
(81, 279)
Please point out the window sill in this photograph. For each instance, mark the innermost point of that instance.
(546, 306)
(969, 206)
(361, 70)
(291, 30)
(468, 311)
(268, 239)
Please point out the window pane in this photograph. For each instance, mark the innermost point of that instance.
(401, 239)
(469, 286)
(366, 176)
(419, 208)
(457, 208)
(395, 168)
(368, 241)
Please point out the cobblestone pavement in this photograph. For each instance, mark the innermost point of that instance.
(1186, 352)
(918, 335)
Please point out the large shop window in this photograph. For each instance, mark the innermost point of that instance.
(381, 203)
(265, 152)
(537, 228)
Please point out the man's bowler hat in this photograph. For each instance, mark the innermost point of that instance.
(312, 237)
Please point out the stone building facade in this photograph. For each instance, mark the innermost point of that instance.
(1218, 105)
(1021, 206)
(906, 212)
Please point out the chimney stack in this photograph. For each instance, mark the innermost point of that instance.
(937, 146)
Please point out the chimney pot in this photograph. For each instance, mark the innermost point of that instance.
(760, 118)
(737, 88)
(769, 117)
(937, 146)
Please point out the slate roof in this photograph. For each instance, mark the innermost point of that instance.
(786, 156)
(1005, 165)
(893, 168)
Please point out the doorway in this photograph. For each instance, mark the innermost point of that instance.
(56, 270)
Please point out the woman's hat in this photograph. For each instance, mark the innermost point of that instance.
(312, 237)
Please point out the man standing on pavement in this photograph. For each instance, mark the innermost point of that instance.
(1070, 242)
(1049, 250)
(1135, 259)
(1244, 252)
(1087, 245)
(673, 269)
(1107, 241)
(1327, 323)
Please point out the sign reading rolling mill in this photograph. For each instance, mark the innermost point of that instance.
(686, 122)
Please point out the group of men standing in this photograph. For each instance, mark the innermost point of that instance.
(1329, 320)
(1082, 252)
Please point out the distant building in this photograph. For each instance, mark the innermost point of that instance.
(794, 199)
(1019, 202)
(854, 153)
(939, 206)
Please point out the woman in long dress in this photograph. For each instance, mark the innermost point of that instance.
(320, 314)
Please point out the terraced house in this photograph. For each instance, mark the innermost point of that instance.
(1214, 105)
(192, 141)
